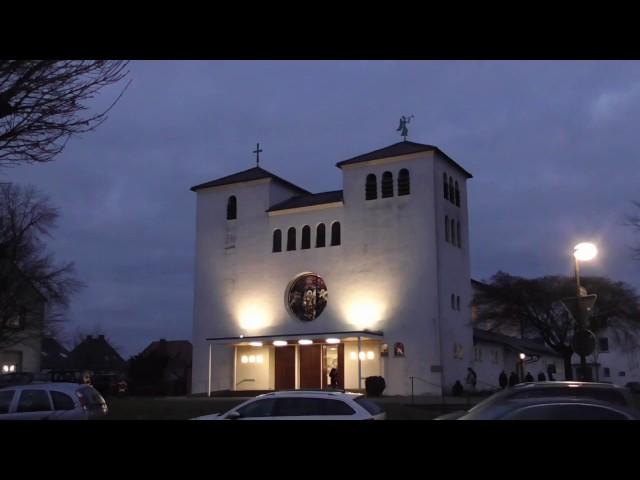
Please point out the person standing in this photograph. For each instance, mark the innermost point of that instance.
(513, 379)
(503, 380)
(542, 377)
(472, 379)
(528, 377)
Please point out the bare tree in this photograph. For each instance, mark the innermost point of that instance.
(44, 102)
(634, 222)
(34, 289)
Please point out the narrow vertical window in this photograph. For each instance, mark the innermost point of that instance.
(335, 234)
(320, 236)
(306, 237)
(453, 298)
(457, 195)
(446, 186)
(404, 187)
(232, 208)
(457, 302)
(291, 239)
(446, 228)
(459, 236)
(453, 232)
(277, 240)
(451, 191)
(387, 185)
(371, 187)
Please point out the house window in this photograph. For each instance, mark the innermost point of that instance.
(320, 236)
(387, 185)
(335, 234)
(451, 191)
(457, 303)
(404, 187)
(446, 228)
(457, 195)
(371, 187)
(459, 236)
(446, 186)
(277, 240)
(453, 231)
(291, 239)
(232, 208)
(621, 374)
(606, 372)
(453, 301)
(306, 238)
(603, 344)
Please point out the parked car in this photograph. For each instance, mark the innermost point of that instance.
(634, 387)
(554, 401)
(304, 405)
(22, 378)
(51, 401)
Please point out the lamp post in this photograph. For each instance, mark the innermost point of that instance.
(523, 357)
(582, 252)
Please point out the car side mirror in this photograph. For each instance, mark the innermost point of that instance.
(233, 415)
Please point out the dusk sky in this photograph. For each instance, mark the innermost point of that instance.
(553, 147)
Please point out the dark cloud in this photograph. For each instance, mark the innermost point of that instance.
(552, 145)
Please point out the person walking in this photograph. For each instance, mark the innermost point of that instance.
(472, 379)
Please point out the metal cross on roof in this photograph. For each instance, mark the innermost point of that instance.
(257, 152)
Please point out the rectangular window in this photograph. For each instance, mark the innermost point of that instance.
(621, 374)
(603, 344)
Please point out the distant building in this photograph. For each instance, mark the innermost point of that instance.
(614, 360)
(177, 374)
(97, 355)
(54, 355)
(22, 327)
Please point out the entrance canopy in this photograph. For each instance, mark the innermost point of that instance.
(295, 337)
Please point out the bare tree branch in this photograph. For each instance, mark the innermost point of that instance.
(43, 103)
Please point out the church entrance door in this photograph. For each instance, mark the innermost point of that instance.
(285, 368)
(311, 366)
(333, 360)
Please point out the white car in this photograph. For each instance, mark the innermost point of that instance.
(303, 405)
(51, 401)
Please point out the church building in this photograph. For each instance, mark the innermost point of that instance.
(297, 290)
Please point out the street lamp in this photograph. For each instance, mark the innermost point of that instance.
(582, 252)
(522, 359)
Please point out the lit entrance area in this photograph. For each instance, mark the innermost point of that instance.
(314, 363)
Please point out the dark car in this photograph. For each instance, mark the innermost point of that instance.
(553, 401)
(634, 387)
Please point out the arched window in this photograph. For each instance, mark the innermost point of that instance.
(320, 236)
(453, 299)
(277, 240)
(335, 234)
(457, 195)
(291, 239)
(387, 184)
(371, 187)
(453, 231)
(232, 208)
(446, 186)
(451, 191)
(459, 236)
(306, 237)
(404, 187)
(446, 228)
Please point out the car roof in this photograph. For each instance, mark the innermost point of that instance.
(58, 386)
(311, 393)
(565, 384)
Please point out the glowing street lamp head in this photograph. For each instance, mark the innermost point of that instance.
(522, 356)
(585, 251)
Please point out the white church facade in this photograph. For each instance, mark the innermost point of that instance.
(301, 290)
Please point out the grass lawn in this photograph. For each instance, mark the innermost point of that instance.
(184, 408)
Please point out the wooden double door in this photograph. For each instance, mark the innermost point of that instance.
(314, 366)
